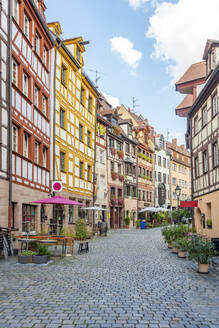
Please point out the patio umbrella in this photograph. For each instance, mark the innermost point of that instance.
(148, 209)
(58, 200)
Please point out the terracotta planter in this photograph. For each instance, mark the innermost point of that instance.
(137, 227)
(182, 254)
(202, 268)
(175, 250)
(170, 246)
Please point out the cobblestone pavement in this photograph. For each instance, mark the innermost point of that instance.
(129, 279)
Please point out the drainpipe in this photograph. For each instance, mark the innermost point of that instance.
(94, 167)
(10, 117)
(191, 153)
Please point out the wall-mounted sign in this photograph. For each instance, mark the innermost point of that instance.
(189, 203)
(56, 186)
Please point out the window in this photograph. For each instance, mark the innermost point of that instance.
(70, 215)
(119, 168)
(127, 148)
(25, 84)
(28, 218)
(101, 156)
(37, 150)
(80, 132)
(78, 54)
(205, 161)
(14, 72)
(119, 146)
(112, 191)
(89, 139)
(89, 104)
(174, 181)
(214, 105)
(159, 176)
(44, 105)
(63, 75)
(36, 96)
(164, 162)
(204, 116)
(44, 156)
(112, 166)
(15, 138)
(62, 118)
(37, 43)
(82, 96)
(26, 26)
(16, 10)
(62, 162)
(195, 124)
(174, 167)
(89, 173)
(114, 121)
(45, 54)
(196, 167)
(111, 143)
(81, 170)
(164, 178)
(215, 154)
(26, 139)
(159, 160)
(133, 150)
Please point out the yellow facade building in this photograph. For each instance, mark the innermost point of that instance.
(74, 119)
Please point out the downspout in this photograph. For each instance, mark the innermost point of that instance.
(94, 167)
(191, 153)
(10, 117)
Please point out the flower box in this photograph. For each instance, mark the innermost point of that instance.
(121, 178)
(113, 151)
(120, 154)
(114, 175)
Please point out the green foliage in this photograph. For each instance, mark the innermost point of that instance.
(127, 220)
(172, 233)
(200, 250)
(178, 215)
(67, 232)
(181, 244)
(42, 250)
(81, 229)
(140, 155)
(138, 223)
(28, 253)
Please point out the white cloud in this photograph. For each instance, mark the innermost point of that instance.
(124, 47)
(180, 31)
(137, 3)
(111, 100)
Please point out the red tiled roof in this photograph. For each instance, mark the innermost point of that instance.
(187, 102)
(194, 72)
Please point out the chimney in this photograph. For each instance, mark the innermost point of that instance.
(129, 110)
(174, 142)
(182, 147)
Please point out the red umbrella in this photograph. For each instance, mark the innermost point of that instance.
(58, 200)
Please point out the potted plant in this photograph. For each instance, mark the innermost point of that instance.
(121, 201)
(113, 151)
(201, 250)
(26, 257)
(182, 245)
(114, 175)
(121, 178)
(140, 155)
(42, 254)
(137, 224)
(127, 221)
(81, 232)
(117, 130)
(120, 154)
(209, 223)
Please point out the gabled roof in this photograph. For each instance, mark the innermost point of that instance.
(209, 44)
(194, 72)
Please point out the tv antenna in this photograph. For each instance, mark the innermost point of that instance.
(98, 75)
(168, 134)
(134, 101)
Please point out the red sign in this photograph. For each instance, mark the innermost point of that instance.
(189, 203)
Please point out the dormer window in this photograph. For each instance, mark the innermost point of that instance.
(114, 121)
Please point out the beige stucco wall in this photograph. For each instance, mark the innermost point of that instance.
(131, 206)
(180, 176)
(4, 185)
(209, 205)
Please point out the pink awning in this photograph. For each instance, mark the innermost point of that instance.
(58, 200)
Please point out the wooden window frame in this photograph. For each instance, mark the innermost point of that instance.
(62, 157)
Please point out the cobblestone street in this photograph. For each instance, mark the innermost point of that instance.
(129, 279)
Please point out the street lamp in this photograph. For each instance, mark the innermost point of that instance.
(178, 193)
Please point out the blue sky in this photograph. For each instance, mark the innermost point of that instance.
(148, 78)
